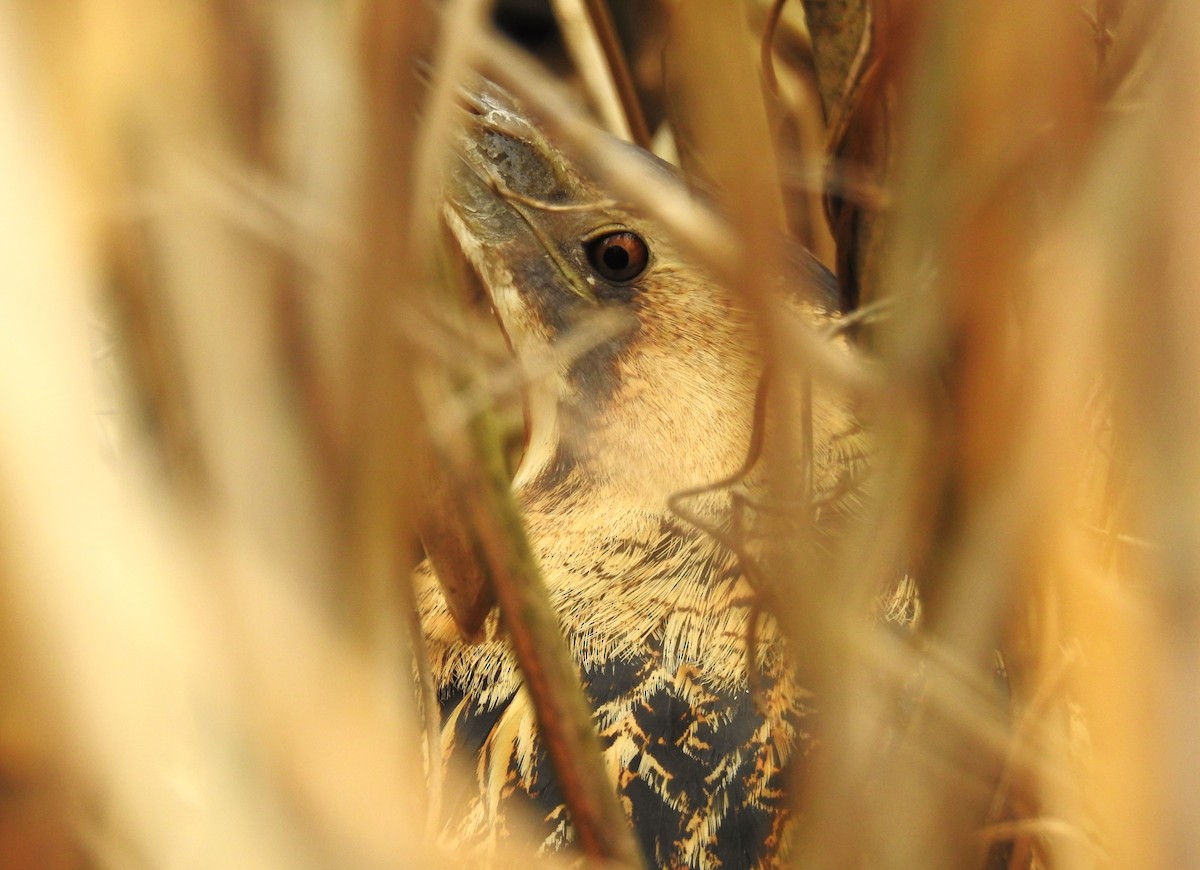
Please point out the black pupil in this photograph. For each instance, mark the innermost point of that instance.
(616, 257)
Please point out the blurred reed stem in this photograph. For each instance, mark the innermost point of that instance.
(206, 634)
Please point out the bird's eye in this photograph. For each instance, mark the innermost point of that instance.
(620, 256)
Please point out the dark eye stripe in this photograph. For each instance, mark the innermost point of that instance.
(618, 257)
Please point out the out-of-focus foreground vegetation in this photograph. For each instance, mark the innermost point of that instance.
(218, 324)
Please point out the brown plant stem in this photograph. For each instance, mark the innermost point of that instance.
(618, 66)
(836, 27)
(563, 714)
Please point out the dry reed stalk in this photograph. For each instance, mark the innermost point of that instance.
(954, 426)
(797, 121)
(591, 39)
(206, 637)
(478, 544)
(193, 638)
(1155, 374)
(994, 452)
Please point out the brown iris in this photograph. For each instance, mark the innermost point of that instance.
(620, 256)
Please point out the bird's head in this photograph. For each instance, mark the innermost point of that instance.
(643, 369)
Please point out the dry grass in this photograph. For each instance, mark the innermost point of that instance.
(217, 250)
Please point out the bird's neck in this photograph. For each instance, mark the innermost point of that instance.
(672, 426)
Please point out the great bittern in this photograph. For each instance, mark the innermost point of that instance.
(656, 611)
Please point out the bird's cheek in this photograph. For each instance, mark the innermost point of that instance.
(526, 333)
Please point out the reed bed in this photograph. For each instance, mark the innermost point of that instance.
(233, 358)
